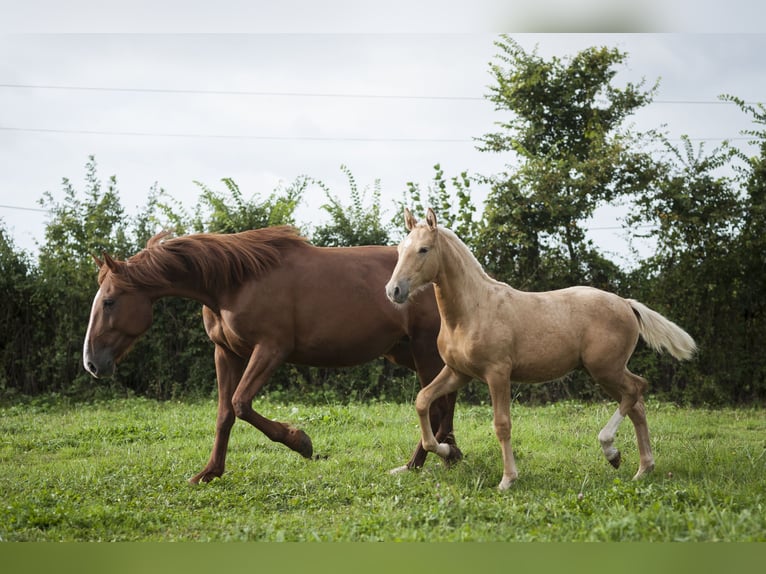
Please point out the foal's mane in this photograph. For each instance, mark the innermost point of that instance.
(214, 261)
(467, 258)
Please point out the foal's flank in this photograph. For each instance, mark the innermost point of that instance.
(493, 332)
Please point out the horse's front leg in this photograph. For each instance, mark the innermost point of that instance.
(229, 368)
(446, 382)
(500, 393)
(263, 361)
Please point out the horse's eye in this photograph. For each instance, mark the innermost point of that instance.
(423, 250)
(108, 303)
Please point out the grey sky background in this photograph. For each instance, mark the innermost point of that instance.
(264, 108)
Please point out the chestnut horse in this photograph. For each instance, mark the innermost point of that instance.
(269, 297)
(492, 332)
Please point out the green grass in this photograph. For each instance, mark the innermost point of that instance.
(118, 470)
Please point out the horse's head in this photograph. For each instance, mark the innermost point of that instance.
(119, 315)
(418, 262)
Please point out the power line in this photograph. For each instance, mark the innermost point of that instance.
(604, 228)
(20, 208)
(236, 136)
(241, 92)
(284, 138)
(266, 93)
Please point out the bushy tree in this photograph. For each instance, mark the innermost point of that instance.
(358, 223)
(230, 211)
(450, 198)
(569, 153)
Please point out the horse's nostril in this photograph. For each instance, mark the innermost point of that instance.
(92, 368)
(397, 291)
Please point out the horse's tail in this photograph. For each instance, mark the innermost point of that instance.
(661, 333)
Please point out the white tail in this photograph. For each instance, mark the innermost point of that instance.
(661, 333)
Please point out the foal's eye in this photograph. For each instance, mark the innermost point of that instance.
(108, 303)
(423, 250)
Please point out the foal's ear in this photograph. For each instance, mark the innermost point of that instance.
(431, 219)
(409, 220)
(98, 261)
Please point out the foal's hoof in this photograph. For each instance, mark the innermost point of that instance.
(616, 460)
(300, 442)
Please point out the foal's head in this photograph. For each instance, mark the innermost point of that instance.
(418, 262)
(119, 315)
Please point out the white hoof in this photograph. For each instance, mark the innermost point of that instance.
(642, 472)
(398, 470)
(506, 483)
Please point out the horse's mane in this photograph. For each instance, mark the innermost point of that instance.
(468, 259)
(215, 261)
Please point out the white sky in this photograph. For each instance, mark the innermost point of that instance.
(400, 128)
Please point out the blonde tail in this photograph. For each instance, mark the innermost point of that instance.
(661, 333)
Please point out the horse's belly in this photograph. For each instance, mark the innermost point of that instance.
(541, 365)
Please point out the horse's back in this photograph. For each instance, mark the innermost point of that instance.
(325, 306)
(542, 336)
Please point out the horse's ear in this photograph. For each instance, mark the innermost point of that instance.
(113, 265)
(431, 219)
(98, 261)
(409, 220)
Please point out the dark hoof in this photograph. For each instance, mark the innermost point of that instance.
(300, 442)
(616, 460)
(455, 456)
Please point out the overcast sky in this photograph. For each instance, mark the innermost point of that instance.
(264, 109)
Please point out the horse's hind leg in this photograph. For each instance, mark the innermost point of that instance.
(629, 393)
(637, 415)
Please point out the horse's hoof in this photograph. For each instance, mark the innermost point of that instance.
(642, 472)
(204, 476)
(300, 442)
(616, 460)
(399, 469)
(455, 456)
(506, 483)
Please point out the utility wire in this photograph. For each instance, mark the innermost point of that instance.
(259, 93)
(284, 138)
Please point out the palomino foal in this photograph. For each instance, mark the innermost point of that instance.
(492, 332)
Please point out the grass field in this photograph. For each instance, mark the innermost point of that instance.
(118, 469)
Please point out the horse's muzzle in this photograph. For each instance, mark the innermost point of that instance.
(398, 292)
(99, 367)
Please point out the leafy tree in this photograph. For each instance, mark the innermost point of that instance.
(454, 208)
(17, 316)
(230, 211)
(81, 224)
(696, 215)
(565, 131)
(353, 224)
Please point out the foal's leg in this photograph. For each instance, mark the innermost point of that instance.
(422, 356)
(500, 393)
(646, 459)
(229, 368)
(629, 393)
(447, 381)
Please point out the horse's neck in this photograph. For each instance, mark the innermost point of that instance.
(461, 282)
(188, 290)
(186, 285)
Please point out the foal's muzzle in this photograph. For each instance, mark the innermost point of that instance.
(398, 292)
